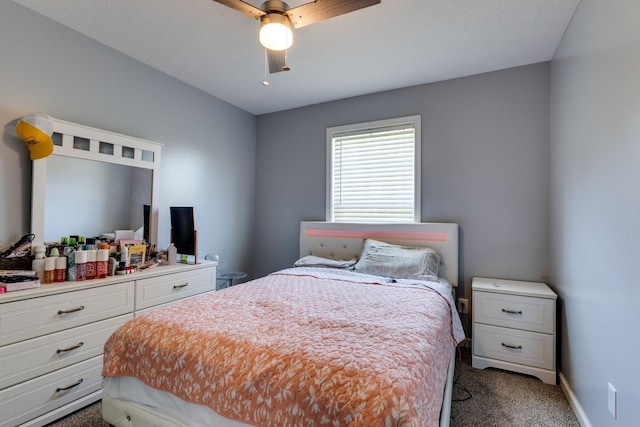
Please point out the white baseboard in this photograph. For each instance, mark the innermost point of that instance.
(573, 402)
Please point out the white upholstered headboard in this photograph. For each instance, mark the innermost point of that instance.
(344, 240)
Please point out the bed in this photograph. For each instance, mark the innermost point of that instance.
(335, 340)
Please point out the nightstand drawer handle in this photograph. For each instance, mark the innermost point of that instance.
(184, 285)
(515, 347)
(73, 310)
(62, 350)
(505, 310)
(59, 389)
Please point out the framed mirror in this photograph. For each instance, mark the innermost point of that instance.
(95, 181)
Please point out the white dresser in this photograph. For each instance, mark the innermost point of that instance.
(514, 327)
(52, 337)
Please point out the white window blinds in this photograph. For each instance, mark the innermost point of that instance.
(374, 172)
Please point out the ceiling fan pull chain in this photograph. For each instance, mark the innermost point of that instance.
(265, 82)
(285, 67)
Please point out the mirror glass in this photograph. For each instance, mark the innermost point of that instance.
(87, 197)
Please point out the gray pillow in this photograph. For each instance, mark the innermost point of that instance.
(316, 261)
(388, 260)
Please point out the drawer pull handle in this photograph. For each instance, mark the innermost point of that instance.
(76, 384)
(184, 285)
(73, 310)
(506, 310)
(515, 347)
(62, 350)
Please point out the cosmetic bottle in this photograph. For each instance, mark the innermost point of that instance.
(37, 264)
(102, 263)
(113, 264)
(71, 266)
(49, 269)
(92, 258)
(60, 273)
(81, 265)
(91, 243)
(172, 253)
(124, 256)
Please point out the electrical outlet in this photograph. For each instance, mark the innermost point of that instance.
(613, 401)
(463, 306)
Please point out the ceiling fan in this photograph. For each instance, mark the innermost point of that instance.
(277, 21)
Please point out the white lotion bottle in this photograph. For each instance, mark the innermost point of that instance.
(124, 256)
(172, 254)
(37, 264)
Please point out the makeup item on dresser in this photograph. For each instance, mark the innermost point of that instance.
(71, 266)
(18, 282)
(49, 269)
(172, 253)
(81, 265)
(60, 272)
(102, 263)
(92, 256)
(124, 255)
(111, 268)
(37, 264)
(91, 243)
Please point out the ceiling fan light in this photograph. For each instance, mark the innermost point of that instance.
(275, 32)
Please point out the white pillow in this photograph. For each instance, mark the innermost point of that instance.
(316, 261)
(388, 260)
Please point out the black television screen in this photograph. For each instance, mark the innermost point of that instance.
(183, 229)
(146, 213)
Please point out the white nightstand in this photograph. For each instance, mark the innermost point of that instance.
(514, 327)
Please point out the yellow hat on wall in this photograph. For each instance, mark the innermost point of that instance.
(36, 131)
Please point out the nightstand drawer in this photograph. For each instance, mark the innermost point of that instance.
(525, 348)
(514, 311)
(172, 287)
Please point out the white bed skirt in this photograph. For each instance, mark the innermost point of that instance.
(128, 402)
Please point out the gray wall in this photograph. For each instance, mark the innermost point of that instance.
(485, 165)
(209, 145)
(595, 204)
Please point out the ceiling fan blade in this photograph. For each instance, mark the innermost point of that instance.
(244, 7)
(319, 10)
(277, 61)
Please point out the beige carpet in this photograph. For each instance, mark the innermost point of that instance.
(492, 397)
(488, 397)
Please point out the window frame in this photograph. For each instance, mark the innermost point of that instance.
(414, 121)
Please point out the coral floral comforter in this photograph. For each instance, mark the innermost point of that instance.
(301, 347)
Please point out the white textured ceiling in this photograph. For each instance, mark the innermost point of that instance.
(394, 44)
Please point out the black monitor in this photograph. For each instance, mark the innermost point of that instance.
(146, 213)
(183, 229)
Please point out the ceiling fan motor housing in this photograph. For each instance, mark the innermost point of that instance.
(274, 6)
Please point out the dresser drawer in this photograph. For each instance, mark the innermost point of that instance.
(28, 359)
(511, 345)
(157, 307)
(30, 318)
(163, 289)
(30, 399)
(514, 311)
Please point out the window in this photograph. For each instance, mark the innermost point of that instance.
(373, 171)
